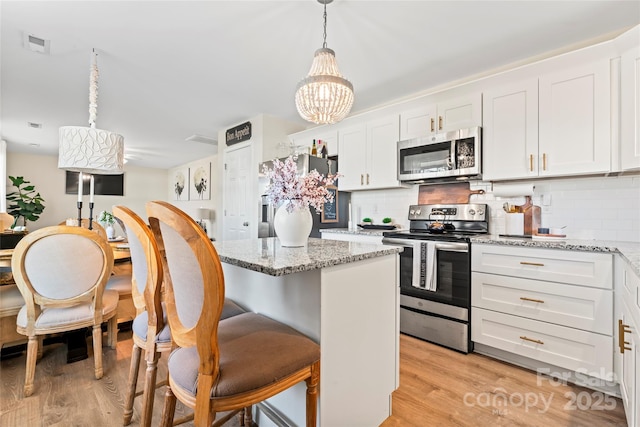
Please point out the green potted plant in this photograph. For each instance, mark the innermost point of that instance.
(107, 220)
(26, 203)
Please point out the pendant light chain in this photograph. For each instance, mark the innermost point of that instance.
(324, 34)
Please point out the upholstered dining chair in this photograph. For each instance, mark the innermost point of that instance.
(221, 365)
(95, 226)
(61, 272)
(151, 331)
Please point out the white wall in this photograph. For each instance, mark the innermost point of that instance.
(190, 206)
(603, 208)
(141, 185)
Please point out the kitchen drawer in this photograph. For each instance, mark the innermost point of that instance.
(585, 352)
(573, 267)
(589, 309)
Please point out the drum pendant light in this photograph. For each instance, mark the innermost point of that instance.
(324, 96)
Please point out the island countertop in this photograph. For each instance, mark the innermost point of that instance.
(269, 257)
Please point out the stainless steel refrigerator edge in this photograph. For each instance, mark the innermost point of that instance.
(305, 164)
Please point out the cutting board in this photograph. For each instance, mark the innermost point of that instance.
(457, 192)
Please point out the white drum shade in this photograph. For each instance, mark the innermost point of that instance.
(90, 150)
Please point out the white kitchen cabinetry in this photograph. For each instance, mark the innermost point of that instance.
(445, 116)
(554, 125)
(328, 134)
(368, 155)
(548, 305)
(630, 103)
(628, 339)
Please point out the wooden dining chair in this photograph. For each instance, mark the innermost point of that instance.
(61, 273)
(95, 226)
(221, 365)
(151, 331)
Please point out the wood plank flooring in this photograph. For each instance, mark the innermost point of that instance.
(435, 383)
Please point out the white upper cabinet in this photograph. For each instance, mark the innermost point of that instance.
(510, 131)
(575, 120)
(554, 125)
(445, 116)
(630, 103)
(368, 155)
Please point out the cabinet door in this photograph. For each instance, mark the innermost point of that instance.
(418, 122)
(382, 153)
(510, 131)
(630, 109)
(459, 113)
(352, 157)
(575, 120)
(629, 369)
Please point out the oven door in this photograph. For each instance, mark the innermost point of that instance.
(453, 272)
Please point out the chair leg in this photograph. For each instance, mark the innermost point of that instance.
(169, 408)
(40, 346)
(32, 350)
(133, 382)
(97, 350)
(112, 332)
(248, 417)
(312, 394)
(149, 388)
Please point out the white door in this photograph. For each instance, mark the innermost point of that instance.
(630, 109)
(352, 159)
(382, 152)
(510, 132)
(418, 122)
(574, 113)
(459, 113)
(239, 212)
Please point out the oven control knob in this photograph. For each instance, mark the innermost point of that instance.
(412, 212)
(418, 212)
(472, 211)
(480, 212)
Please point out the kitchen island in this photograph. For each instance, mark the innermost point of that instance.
(344, 296)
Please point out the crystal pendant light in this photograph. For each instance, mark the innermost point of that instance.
(324, 96)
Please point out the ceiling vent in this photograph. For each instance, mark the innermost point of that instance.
(36, 44)
(33, 125)
(202, 139)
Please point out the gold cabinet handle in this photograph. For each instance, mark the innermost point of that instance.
(361, 179)
(537, 264)
(433, 123)
(622, 329)
(531, 340)
(367, 179)
(531, 162)
(439, 122)
(532, 300)
(544, 161)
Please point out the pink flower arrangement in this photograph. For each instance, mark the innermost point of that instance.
(301, 191)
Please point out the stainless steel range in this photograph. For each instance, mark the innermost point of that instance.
(435, 271)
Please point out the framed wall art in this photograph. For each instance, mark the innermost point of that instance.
(200, 184)
(181, 184)
(330, 210)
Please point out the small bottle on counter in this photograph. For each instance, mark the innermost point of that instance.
(324, 153)
(314, 149)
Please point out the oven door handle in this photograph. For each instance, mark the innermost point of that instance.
(440, 246)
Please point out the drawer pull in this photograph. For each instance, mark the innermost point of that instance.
(532, 300)
(537, 264)
(622, 329)
(531, 339)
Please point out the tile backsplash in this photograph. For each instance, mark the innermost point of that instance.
(601, 208)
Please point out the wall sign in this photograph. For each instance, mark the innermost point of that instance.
(238, 133)
(329, 211)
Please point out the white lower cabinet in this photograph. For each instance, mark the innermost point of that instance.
(627, 347)
(548, 305)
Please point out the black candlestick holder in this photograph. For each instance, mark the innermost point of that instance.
(79, 214)
(90, 215)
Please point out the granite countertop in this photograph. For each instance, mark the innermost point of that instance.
(268, 257)
(630, 251)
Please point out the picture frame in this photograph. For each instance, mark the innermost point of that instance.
(330, 212)
(200, 182)
(180, 182)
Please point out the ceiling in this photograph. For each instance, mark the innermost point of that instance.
(173, 69)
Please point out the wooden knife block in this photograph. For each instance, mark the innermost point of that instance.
(531, 216)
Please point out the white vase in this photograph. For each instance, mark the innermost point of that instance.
(292, 228)
(111, 232)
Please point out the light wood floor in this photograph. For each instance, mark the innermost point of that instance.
(433, 384)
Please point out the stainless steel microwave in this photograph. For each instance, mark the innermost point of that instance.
(447, 156)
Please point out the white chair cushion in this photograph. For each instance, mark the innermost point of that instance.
(120, 283)
(52, 317)
(10, 300)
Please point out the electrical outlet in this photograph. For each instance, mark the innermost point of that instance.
(547, 209)
(375, 208)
